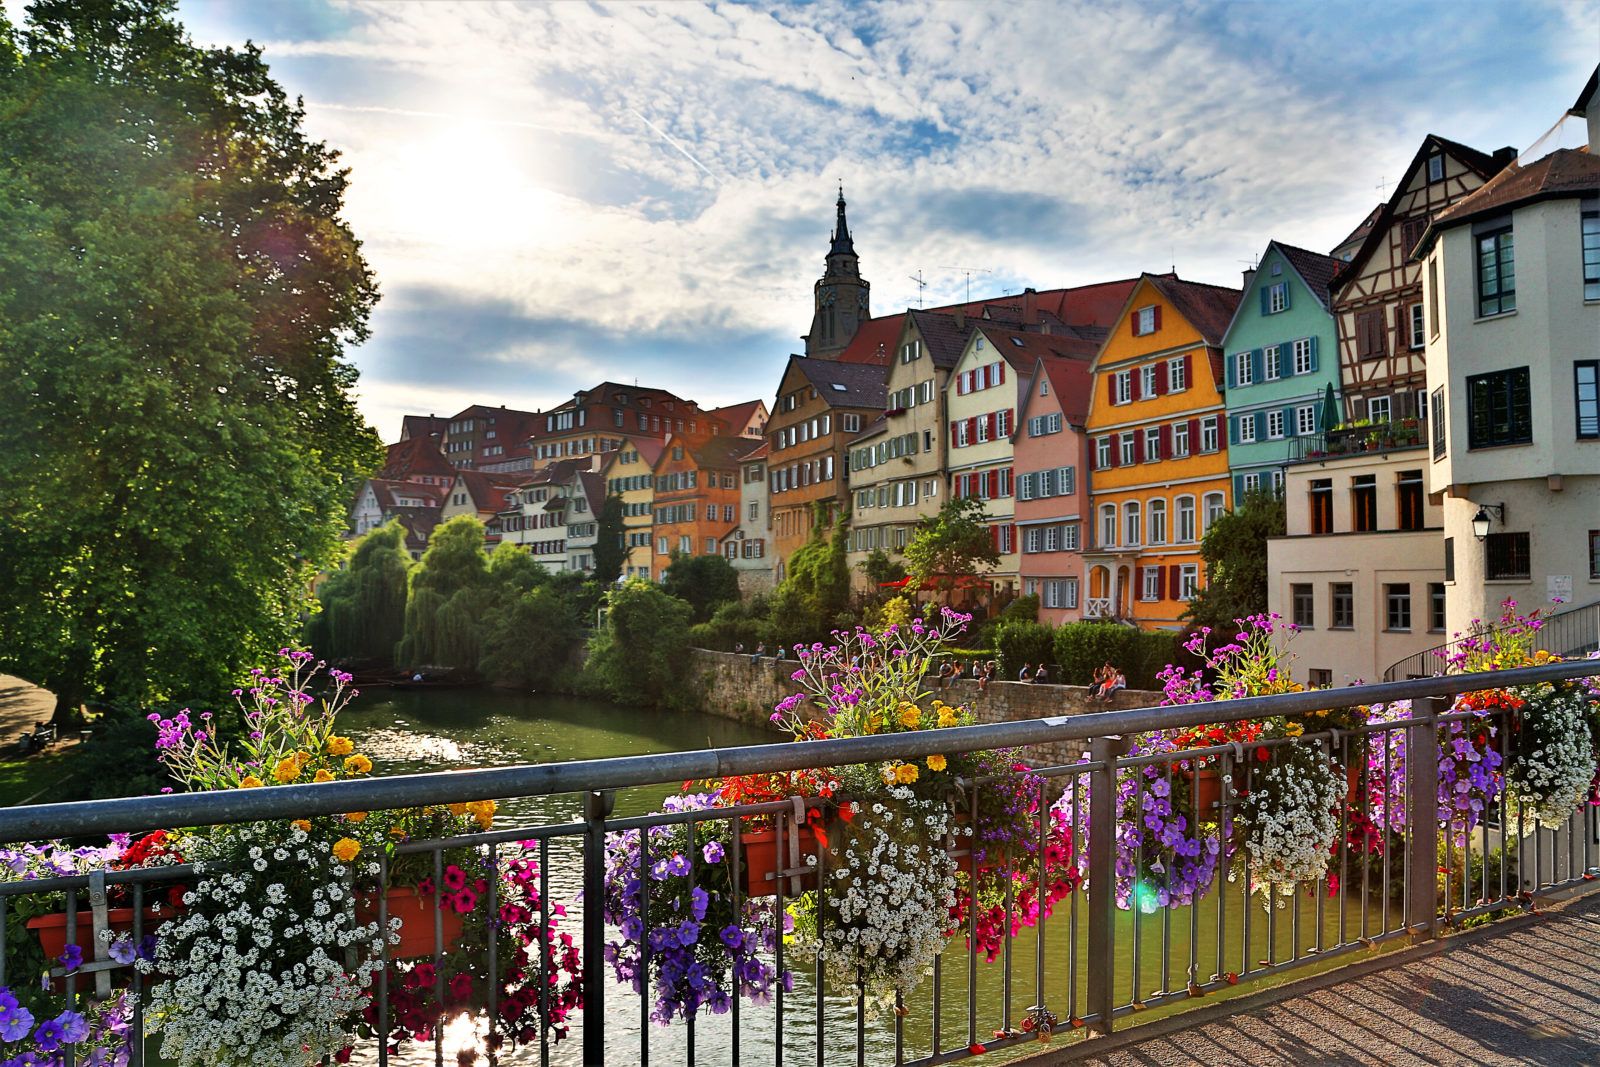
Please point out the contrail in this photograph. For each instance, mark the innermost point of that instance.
(665, 136)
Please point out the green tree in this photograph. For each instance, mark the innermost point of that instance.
(450, 592)
(880, 567)
(955, 543)
(638, 655)
(610, 548)
(529, 624)
(702, 582)
(1235, 552)
(363, 605)
(177, 290)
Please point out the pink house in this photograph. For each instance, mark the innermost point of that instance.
(1051, 464)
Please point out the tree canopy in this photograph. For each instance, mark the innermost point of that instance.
(1235, 552)
(449, 594)
(702, 582)
(363, 606)
(177, 290)
(954, 543)
(610, 550)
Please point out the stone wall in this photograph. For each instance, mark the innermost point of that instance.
(735, 686)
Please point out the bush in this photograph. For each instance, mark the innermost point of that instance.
(1024, 609)
(1080, 647)
(702, 582)
(737, 622)
(640, 654)
(1019, 641)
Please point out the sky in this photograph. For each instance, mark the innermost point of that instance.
(553, 195)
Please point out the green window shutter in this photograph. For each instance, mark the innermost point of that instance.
(1313, 353)
(1261, 425)
(1288, 291)
(1266, 300)
(1256, 360)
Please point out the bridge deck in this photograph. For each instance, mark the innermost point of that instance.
(1526, 993)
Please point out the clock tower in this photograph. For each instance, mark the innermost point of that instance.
(840, 299)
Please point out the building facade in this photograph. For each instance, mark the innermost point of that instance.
(1159, 454)
(696, 496)
(746, 545)
(629, 472)
(1513, 297)
(1280, 364)
(1049, 453)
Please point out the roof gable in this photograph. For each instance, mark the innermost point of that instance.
(1565, 172)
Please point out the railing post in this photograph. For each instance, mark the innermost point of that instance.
(596, 806)
(1102, 916)
(1422, 818)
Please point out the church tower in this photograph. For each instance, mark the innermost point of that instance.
(840, 298)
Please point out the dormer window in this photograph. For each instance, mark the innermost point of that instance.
(1436, 168)
(1145, 321)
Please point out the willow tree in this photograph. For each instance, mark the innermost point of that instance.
(363, 605)
(450, 591)
(177, 293)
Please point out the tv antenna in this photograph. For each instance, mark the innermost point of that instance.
(921, 285)
(969, 272)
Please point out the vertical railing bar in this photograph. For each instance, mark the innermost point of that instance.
(1072, 909)
(1010, 910)
(596, 806)
(1226, 770)
(972, 923)
(383, 955)
(1167, 863)
(820, 974)
(1422, 788)
(491, 920)
(692, 850)
(644, 945)
(438, 950)
(1193, 970)
(736, 892)
(1136, 906)
(1351, 744)
(136, 1025)
(1101, 995)
(545, 962)
(1405, 859)
(1245, 924)
(861, 1021)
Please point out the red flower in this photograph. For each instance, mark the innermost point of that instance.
(976, 1049)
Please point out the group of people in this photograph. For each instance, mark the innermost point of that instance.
(984, 672)
(1107, 680)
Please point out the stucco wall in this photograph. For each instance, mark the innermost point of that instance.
(735, 687)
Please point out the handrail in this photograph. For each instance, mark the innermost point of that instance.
(1430, 661)
(129, 814)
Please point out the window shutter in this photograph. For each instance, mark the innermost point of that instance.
(1256, 356)
(1161, 379)
(1113, 453)
(1002, 367)
(1266, 301)
(1133, 323)
(1261, 425)
(1358, 408)
(1166, 443)
(1188, 372)
(1230, 377)
(1138, 447)
(994, 483)
(1136, 384)
(1313, 354)
(1287, 293)
(1174, 581)
(954, 430)
(1155, 323)
(1194, 434)
(1233, 431)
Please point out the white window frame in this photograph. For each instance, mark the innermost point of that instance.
(1152, 444)
(1212, 507)
(1271, 363)
(1125, 449)
(1180, 439)
(1388, 409)
(1149, 583)
(1243, 369)
(1275, 425)
(1108, 525)
(1305, 420)
(1246, 428)
(1156, 521)
(1132, 524)
(1302, 355)
(1208, 434)
(1102, 453)
(1188, 580)
(1185, 512)
(1277, 298)
(1177, 380)
(1144, 321)
(1122, 387)
(1147, 381)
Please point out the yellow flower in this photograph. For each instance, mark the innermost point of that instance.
(397, 832)
(485, 819)
(322, 775)
(458, 809)
(483, 807)
(287, 770)
(356, 816)
(947, 717)
(1294, 729)
(250, 781)
(910, 715)
(346, 849)
(302, 758)
(302, 824)
(936, 763)
(340, 746)
(906, 773)
(357, 765)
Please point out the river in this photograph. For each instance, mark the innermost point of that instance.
(444, 729)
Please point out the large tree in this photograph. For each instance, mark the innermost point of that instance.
(702, 582)
(1235, 552)
(363, 605)
(610, 549)
(177, 291)
(450, 593)
(952, 544)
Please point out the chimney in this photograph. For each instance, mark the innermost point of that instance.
(1030, 307)
(1249, 276)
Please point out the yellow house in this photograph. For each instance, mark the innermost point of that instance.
(1158, 452)
(629, 472)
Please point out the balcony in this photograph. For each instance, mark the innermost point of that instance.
(1099, 607)
(1356, 438)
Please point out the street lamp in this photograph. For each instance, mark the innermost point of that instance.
(1480, 521)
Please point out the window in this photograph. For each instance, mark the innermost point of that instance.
(1321, 505)
(1108, 525)
(1150, 583)
(1436, 420)
(1497, 273)
(1436, 607)
(1251, 482)
(1449, 559)
(1147, 381)
(1506, 556)
(1303, 363)
(1243, 368)
(1208, 434)
(1131, 523)
(1188, 580)
(1177, 380)
(1419, 336)
(1277, 298)
(1274, 425)
(1212, 508)
(1125, 449)
(850, 423)
(1364, 502)
(755, 510)
(1499, 409)
(1152, 444)
(1591, 255)
(1180, 439)
(1246, 432)
(1436, 168)
(1302, 610)
(1272, 363)
(1122, 387)
(1378, 408)
(1185, 520)
(1408, 493)
(1341, 606)
(1102, 453)
(1319, 678)
(1397, 606)
(661, 546)
(1157, 522)
(1586, 394)
(1594, 553)
(1305, 420)
(1044, 385)
(1433, 296)
(1370, 340)
(1144, 321)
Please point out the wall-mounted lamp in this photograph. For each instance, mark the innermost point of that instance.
(1480, 521)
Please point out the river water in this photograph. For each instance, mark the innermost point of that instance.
(446, 729)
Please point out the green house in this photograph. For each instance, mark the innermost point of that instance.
(1281, 356)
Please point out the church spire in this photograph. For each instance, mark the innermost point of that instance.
(841, 296)
(842, 244)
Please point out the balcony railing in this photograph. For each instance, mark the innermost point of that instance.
(1571, 634)
(1395, 436)
(1099, 607)
(1091, 964)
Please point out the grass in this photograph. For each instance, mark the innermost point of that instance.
(22, 779)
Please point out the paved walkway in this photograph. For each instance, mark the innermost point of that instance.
(1527, 993)
(23, 706)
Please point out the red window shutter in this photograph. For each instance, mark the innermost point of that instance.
(993, 478)
(972, 428)
(1166, 443)
(1157, 323)
(1138, 446)
(1194, 432)
(1174, 582)
(954, 433)
(1161, 379)
(1188, 372)
(1135, 384)
(1002, 367)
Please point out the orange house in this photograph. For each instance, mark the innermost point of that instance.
(1158, 450)
(696, 499)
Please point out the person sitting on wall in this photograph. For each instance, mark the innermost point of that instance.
(761, 650)
(1022, 675)
(1117, 681)
(1102, 678)
(1041, 674)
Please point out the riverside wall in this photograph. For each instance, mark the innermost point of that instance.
(735, 686)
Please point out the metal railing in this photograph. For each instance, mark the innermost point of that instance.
(1571, 633)
(1091, 963)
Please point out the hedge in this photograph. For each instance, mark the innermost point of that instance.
(1019, 642)
(1081, 647)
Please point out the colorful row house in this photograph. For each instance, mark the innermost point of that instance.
(1159, 454)
(629, 473)
(746, 545)
(1282, 379)
(696, 496)
(1049, 456)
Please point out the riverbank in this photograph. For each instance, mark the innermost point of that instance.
(745, 688)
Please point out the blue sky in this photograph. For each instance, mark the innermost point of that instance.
(553, 195)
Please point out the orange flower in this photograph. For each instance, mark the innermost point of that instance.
(322, 775)
(302, 824)
(346, 849)
(357, 765)
(250, 781)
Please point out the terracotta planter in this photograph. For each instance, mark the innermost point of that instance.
(762, 868)
(52, 929)
(1353, 776)
(1206, 787)
(415, 913)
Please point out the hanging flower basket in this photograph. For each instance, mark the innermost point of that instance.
(52, 929)
(762, 868)
(416, 914)
(1206, 787)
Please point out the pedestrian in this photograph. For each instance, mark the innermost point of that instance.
(1116, 680)
(738, 648)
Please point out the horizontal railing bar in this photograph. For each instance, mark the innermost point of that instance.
(403, 791)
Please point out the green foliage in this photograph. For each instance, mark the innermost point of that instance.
(610, 548)
(639, 655)
(702, 582)
(1019, 641)
(880, 567)
(1024, 608)
(736, 622)
(363, 606)
(1235, 552)
(177, 290)
(952, 544)
(530, 624)
(819, 570)
(1080, 647)
(449, 592)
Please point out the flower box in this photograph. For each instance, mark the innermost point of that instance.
(415, 913)
(762, 868)
(52, 929)
(1205, 786)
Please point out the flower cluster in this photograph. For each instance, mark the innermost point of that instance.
(670, 895)
(1288, 819)
(1469, 769)
(1555, 765)
(95, 1037)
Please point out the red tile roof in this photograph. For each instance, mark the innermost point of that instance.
(1072, 382)
(387, 489)
(738, 416)
(1316, 269)
(849, 385)
(1565, 172)
(413, 456)
(1023, 349)
(1209, 308)
(422, 426)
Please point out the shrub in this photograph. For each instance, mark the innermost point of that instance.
(640, 654)
(1080, 647)
(1024, 608)
(736, 622)
(1019, 641)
